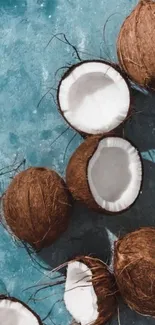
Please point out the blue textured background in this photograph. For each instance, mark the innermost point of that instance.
(27, 131)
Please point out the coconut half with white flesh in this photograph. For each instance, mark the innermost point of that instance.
(94, 97)
(15, 312)
(105, 174)
(90, 291)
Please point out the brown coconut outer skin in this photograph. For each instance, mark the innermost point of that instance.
(37, 206)
(2, 297)
(119, 129)
(76, 174)
(135, 44)
(134, 269)
(105, 288)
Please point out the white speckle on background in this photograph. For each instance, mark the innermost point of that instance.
(45, 73)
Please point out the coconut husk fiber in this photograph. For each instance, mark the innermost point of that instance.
(134, 268)
(76, 172)
(135, 44)
(105, 288)
(37, 206)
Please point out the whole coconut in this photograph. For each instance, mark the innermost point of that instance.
(37, 206)
(134, 268)
(135, 44)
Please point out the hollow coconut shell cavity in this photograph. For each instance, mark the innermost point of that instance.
(13, 311)
(37, 206)
(105, 174)
(94, 97)
(134, 267)
(135, 44)
(90, 292)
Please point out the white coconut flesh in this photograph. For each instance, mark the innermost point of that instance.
(80, 297)
(14, 313)
(94, 98)
(115, 174)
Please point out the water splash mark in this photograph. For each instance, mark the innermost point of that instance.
(149, 155)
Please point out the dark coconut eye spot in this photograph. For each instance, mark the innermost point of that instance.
(41, 169)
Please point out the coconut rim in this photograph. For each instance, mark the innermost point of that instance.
(22, 304)
(99, 208)
(118, 69)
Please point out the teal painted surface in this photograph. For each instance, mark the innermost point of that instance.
(149, 155)
(27, 131)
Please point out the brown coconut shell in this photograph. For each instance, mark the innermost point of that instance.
(118, 129)
(3, 297)
(76, 174)
(105, 288)
(134, 268)
(135, 44)
(37, 206)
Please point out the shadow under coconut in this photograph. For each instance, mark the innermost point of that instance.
(141, 128)
(83, 237)
(141, 131)
(88, 230)
(128, 316)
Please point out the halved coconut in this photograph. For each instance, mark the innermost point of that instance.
(94, 97)
(105, 174)
(90, 291)
(15, 312)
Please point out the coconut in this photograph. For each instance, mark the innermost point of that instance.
(94, 97)
(134, 267)
(90, 292)
(15, 312)
(105, 173)
(135, 44)
(37, 206)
